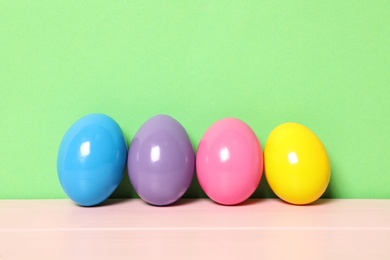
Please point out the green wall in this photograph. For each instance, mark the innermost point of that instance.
(325, 64)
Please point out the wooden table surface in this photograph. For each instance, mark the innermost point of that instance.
(195, 229)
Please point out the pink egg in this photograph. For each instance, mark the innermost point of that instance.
(229, 162)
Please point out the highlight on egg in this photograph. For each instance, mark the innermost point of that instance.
(229, 162)
(297, 165)
(91, 159)
(161, 161)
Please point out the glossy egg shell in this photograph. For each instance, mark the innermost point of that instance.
(161, 161)
(91, 159)
(229, 161)
(297, 165)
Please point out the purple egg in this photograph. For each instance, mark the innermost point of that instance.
(161, 161)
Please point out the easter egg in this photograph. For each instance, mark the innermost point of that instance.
(161, 161)
(229, 162)
(297, 166)
(91, 159)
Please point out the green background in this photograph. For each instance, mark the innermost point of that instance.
(324, 64)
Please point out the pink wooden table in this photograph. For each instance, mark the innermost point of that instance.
(195, 229)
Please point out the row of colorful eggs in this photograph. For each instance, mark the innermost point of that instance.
(161, 161)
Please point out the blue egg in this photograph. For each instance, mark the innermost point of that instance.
(91, 159)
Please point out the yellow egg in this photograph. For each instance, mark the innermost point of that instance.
(297, 165)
